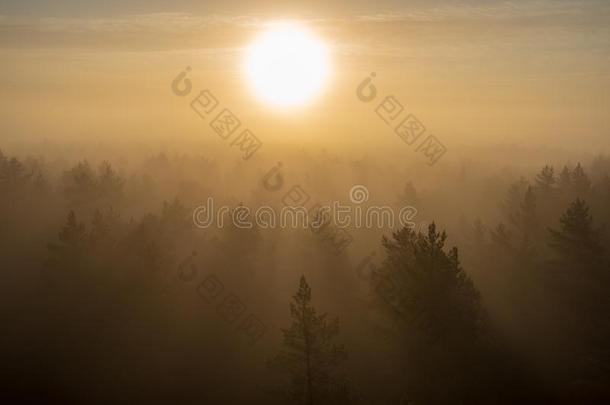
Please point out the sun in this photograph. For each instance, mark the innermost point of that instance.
(287, 65)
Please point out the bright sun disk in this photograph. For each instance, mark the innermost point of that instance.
(287, 65)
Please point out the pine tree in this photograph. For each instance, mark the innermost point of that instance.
(583, 288)
(526, 218)
(79, 183)
(175, 217)
(409, 196)
(309, 357)
(149, 245)
(105, 227)
(437, 317)
(68, 252)
(501, 236)
(577, 241)
(545, 180)
(109, 184)
(73, 232)
(13, 174)
(429, 286)
(580, 181)
(514, 197)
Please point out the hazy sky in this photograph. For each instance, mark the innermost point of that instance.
(121, 7)
(533, 72)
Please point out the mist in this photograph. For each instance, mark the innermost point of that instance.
(453, 180)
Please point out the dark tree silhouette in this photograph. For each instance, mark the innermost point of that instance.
(525, 219)
(514, 197)
(409, 196)
(79, 183)
(580, 181)
(309, 357)
(545, 180)
(109, 183)
(429, 287)
(577, 241)
(501, 237)
(68, 251)
(582, 286)
(83, 185)
(440, 321)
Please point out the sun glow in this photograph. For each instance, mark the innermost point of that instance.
(287, 65)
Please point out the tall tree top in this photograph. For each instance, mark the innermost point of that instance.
(577, 240)
(545, 180)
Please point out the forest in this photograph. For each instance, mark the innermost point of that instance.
(112, 294)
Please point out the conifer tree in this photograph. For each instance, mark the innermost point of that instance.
(526, 218)
(438, 318)
(309, 357)
(501, 236)
(68, 251)
(545, 180)
(577, 241)
(429, 285)
(109, 184)
(73, 232)
(79, 183)
(580, 181)
(514, 197)
(409, 196)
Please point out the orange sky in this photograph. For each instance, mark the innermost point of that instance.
(533, 73)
